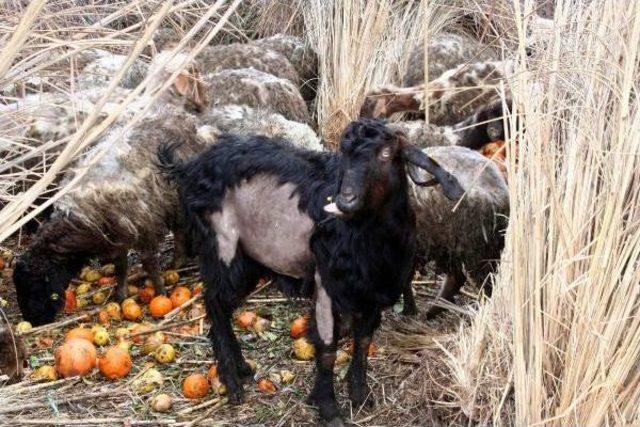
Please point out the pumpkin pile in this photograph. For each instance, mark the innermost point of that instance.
(129, 340)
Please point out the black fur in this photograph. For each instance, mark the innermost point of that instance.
(485, 126)
(363, 260)
(43, 272)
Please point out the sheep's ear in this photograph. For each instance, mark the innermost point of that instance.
(189, 86)
(450, 185)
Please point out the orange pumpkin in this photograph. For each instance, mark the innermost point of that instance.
(212, 373)
(70, 301)
(75, 357)
(106, 281)
(160, 306)
(246, 319)
(195, 386)
(132, 312)
(180, 295)
(299, 327)
(79, 332)
(115, 364)
(266, 386)
(146, 294)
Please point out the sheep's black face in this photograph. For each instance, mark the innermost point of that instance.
(371, 167)
(40, 286)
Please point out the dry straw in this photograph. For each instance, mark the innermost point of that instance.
(20, 209)
(559, 343)
(362, 44)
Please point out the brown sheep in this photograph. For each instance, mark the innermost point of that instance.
(258, 90)
(243, 120)
(121, 203)
(446, 51)
(464, 243)
(303, 58)
(453, 96)
(235, 56)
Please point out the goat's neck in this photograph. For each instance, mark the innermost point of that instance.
(390, 215)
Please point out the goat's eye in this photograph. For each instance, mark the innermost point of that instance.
(385, 154)
(55, 296)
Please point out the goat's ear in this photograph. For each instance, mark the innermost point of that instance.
(416, 157)
(190, 87)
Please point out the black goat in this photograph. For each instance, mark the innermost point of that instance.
(256, 206)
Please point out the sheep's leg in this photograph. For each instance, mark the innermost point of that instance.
(409, 307)
(480, 277)
(151, 265)
(363, 328)
(450, 288)
(325, 331)
(179, 248)
(180, 243)
(121, 263)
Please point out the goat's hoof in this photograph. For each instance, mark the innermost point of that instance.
(244, 371)
(236, 397)
(362, 397)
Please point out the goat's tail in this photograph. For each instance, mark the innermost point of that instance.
(168, 163)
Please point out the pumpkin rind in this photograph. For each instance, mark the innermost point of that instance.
(115, 364)
(160, 305)
(195, 386)
(76, 356)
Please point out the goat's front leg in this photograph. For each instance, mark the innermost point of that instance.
(364, 324)
(150, 263)
(121, 263)
(324, 333)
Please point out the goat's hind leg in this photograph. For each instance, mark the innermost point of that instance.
(364, 324)
(226, 287)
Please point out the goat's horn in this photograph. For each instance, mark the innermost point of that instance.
(450, 185)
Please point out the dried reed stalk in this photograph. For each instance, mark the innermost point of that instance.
(559, 342)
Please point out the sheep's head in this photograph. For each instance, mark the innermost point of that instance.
(372, 169)
(40, 284)
(191, 88)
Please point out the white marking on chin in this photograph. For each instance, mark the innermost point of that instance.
(333, 209)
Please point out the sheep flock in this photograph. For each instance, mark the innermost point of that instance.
(245, 105)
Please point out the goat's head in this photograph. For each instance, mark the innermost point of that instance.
(372, 168)
(40, 284)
